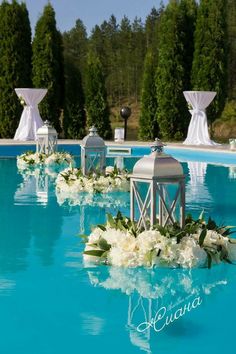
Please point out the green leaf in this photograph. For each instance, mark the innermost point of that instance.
(201, 216)
(95, 253)
(209, 260)
(103, 244)
(111, 221)
(102, 227)
(202, 237)
(211, 225)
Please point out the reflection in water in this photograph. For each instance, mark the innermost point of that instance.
(232, 172)
(157, 298)
(6, 286)
(92, 325)
(35, 187)
(35, 220)
(197, 193)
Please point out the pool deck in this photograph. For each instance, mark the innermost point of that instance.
(216, 148)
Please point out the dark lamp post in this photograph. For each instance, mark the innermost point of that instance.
(125, 113)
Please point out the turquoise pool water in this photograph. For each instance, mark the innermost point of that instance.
(51, 304)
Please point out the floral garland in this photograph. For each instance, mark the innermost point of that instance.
(71, 182)
(35, 159)
(198, 244)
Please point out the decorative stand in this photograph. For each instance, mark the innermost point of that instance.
(30, 120)
(198, 130)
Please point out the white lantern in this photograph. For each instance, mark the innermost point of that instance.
(46, 139)
(157, 182)
(93, 153)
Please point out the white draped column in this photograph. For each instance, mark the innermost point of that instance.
(30, 119)
(198, 130)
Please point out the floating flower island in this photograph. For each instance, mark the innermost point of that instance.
(96, 189)
(35, 159)
(198, 244)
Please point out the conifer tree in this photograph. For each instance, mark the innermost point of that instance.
(75, 43)
(75, 54)
(209, 64)
(231, 32)
(15, 63)
(174, 62)
(48, 66)
(148, 127)
(96, 97)
(74, 121)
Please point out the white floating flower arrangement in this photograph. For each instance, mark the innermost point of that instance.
(31, 159)
(72, 185)
(198, 244)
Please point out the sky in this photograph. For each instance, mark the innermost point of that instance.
(91, 12)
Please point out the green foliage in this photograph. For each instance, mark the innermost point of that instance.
(229, 112)
(152, 25)
(121, 50)
(96, 98)
(48, 66)
(74, 121)
(231, 33)
(215, 251)
(173, 70)
(15, 63)
(148, 127)
(75, 52)
(75, 43)
(209, 63)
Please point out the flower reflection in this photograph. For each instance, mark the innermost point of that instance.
(150, 291)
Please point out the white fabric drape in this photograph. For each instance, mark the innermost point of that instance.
(30, 119)
(198, 130)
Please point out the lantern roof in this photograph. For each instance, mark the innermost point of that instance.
(93, 140)
(46, 129)
(157, 164)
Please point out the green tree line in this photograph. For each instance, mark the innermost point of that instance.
(184, 45)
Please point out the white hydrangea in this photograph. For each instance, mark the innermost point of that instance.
(71, 179)
(120, 258)
(189, 253)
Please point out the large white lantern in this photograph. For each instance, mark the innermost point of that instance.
(46, 139)
(93, 153)
(157, 186)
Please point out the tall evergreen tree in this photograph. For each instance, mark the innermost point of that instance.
(96, 97)
(75, 53)
(209, 64)
(152, 27)
(174, 60)
(148, 127)
(75, 43)
(48, 66)
(231, 30)
(137, 56)
(15, 63)
(74, 120)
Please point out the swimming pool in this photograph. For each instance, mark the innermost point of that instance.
(50, 303)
